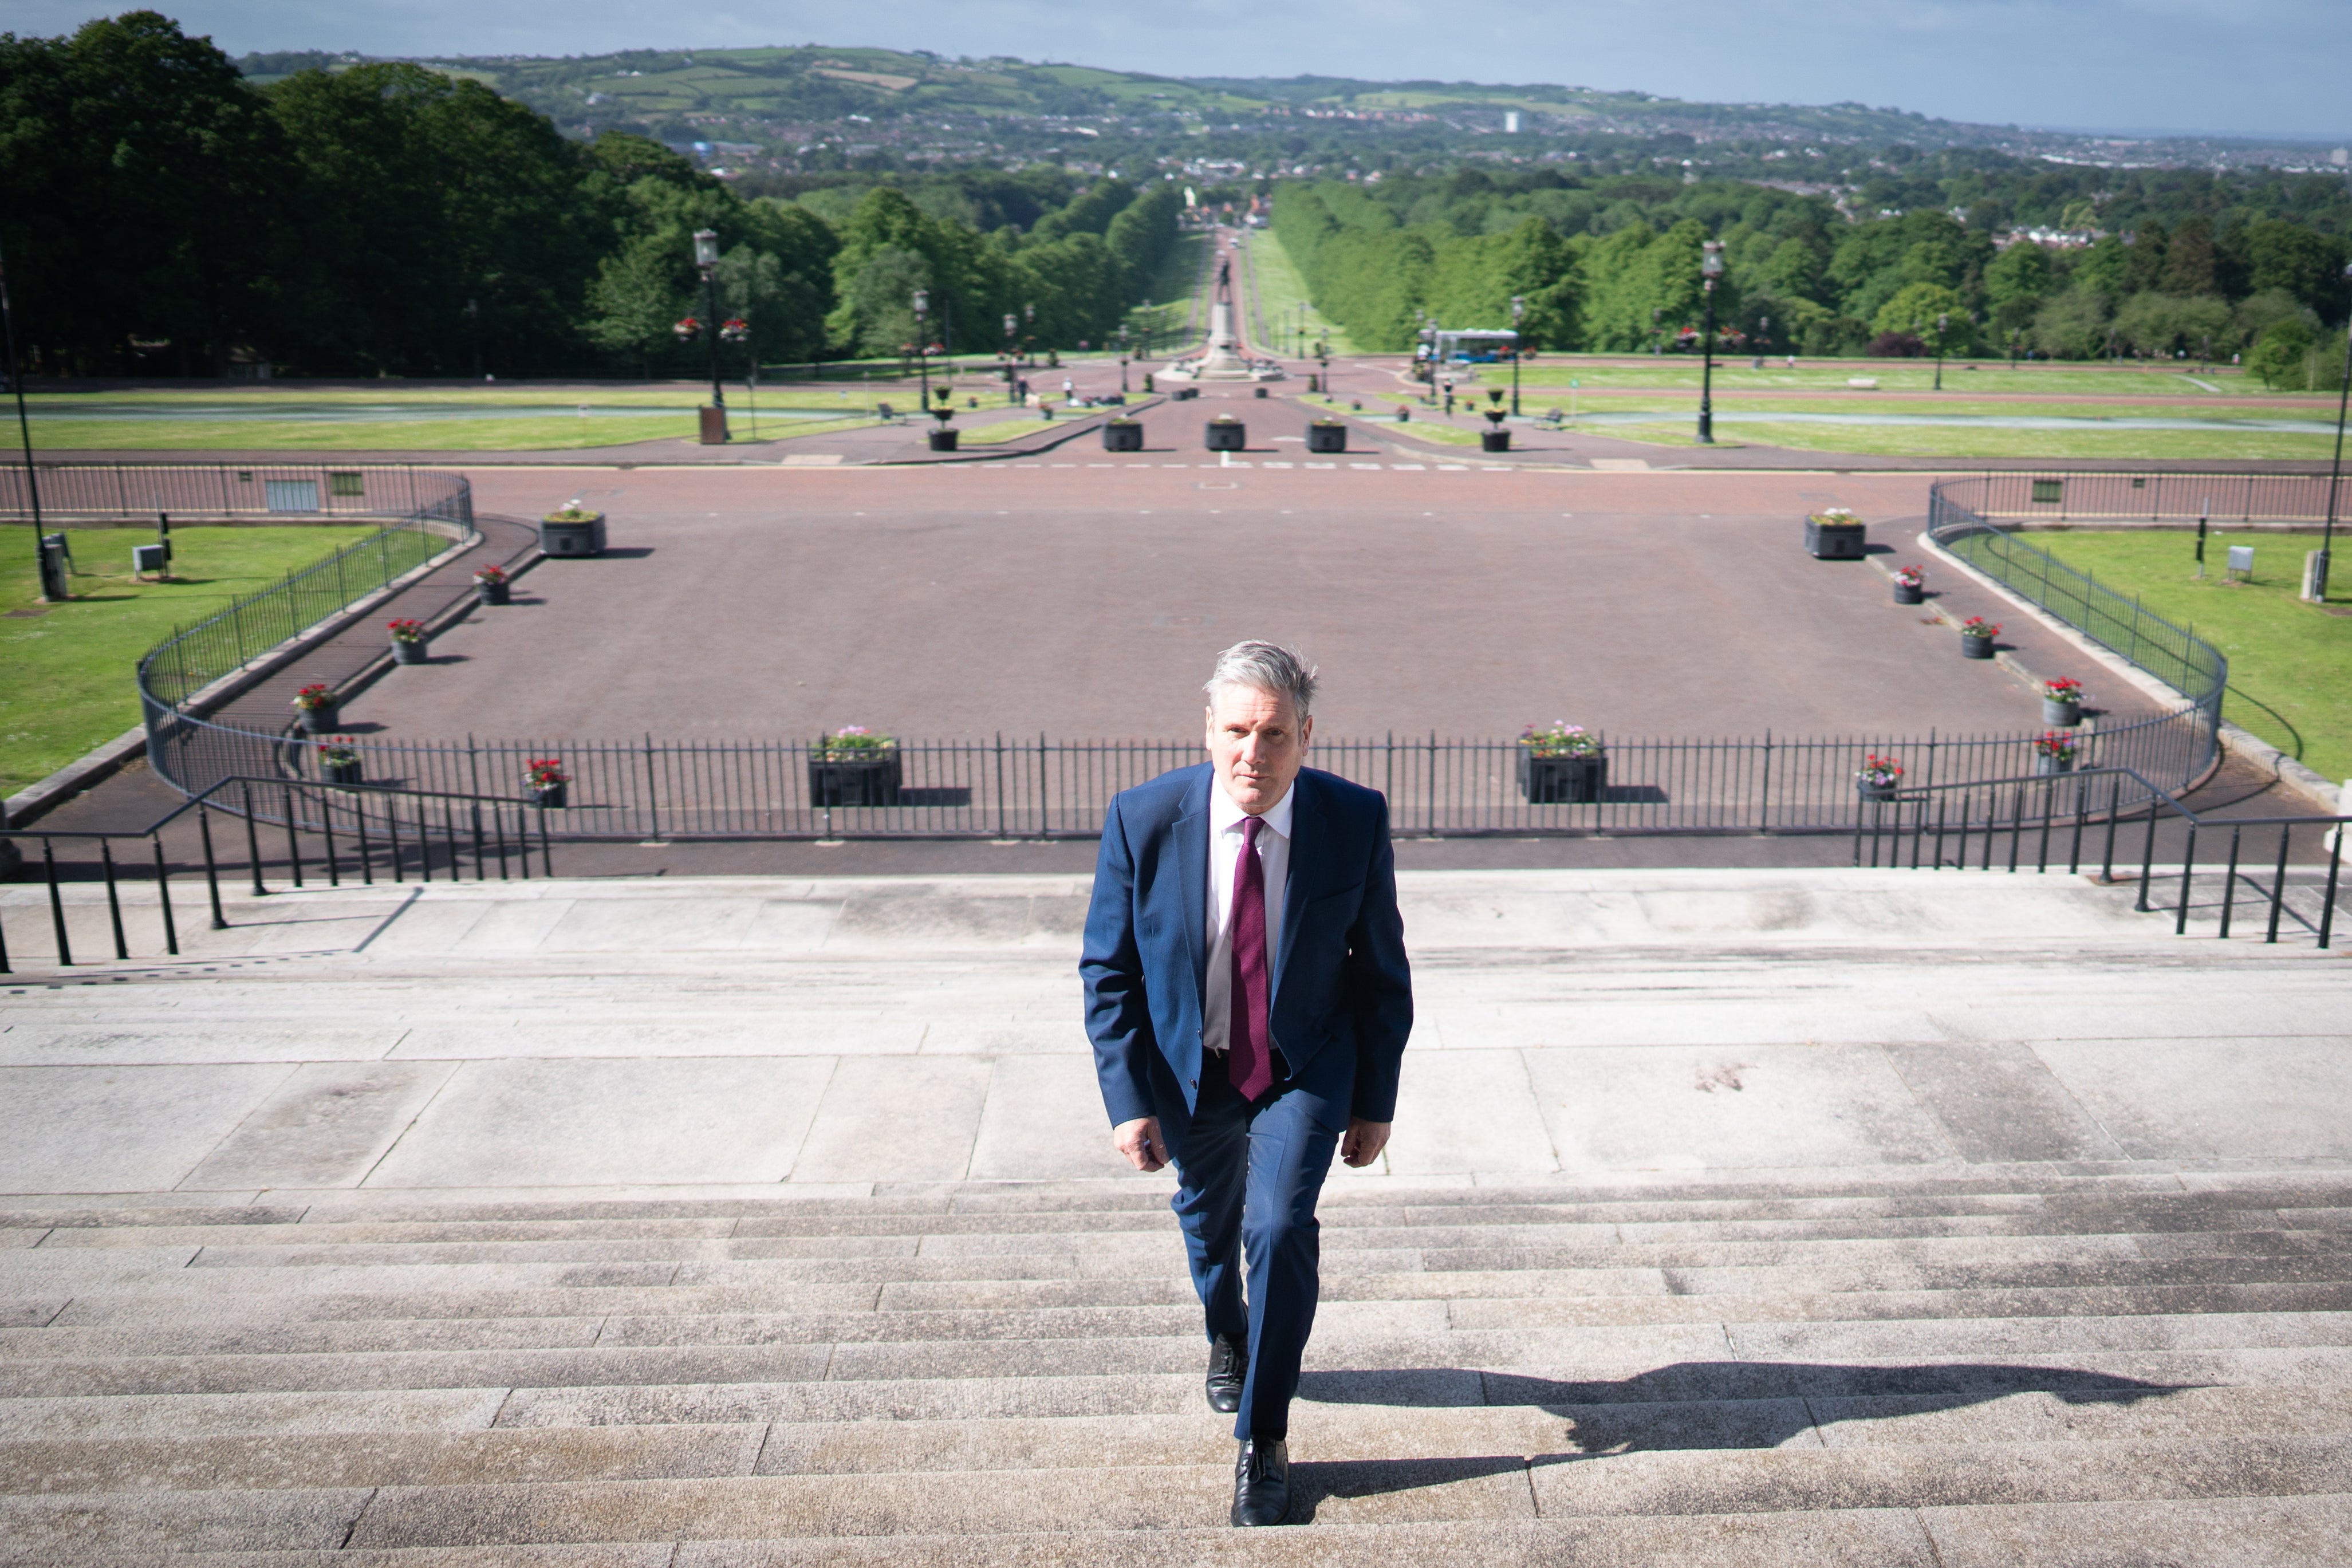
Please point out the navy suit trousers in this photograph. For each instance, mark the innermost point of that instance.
(1248, 1175)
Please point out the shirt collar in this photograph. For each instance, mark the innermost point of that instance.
(1224, 816)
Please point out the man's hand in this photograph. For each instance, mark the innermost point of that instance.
(1139, 1140)
(1364, 1142)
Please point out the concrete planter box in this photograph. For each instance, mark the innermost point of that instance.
(2060, 715)
(584, 537)
(1562, 781)
(1117, 438)
(1227, 435)
(1828, 539)
(837, 780)
(1327, 438)
(1494, 440)
(944, 439)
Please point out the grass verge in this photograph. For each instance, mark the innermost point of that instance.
(2290, 663)
(1282, 292)
(72, 668)
(1962, 441)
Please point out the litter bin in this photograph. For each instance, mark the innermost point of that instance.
(57, 568)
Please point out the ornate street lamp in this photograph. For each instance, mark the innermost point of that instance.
(1122, 361)
(1029, 333)
(2335, 472)
(1011, 345)
(1710, 267)
(1519, 314)
(706, 257)
(1943, 331)
(923, 341)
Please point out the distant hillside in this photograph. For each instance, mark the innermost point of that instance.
(816, 108)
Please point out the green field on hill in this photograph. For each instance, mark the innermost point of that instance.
(72, 668)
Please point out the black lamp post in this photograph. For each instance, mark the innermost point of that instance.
(2335, 472)
(1011, 345)
(923, 341)
(1029, 332)
(24, 425)
(1943, 330)
(706, 257)
(1122, 361)
(1519, 314)
(1710, 267)
(474, 328)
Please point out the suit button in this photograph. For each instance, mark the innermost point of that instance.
(1196, 1083)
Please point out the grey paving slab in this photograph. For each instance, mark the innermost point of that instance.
(325, 1126)
(2229, 1094)
(40, 1045)
(781, 1033)
(905, 1118)
(1998, 1101)
(100, 1129)
(515, 1123)
(410, 1369)
(64, 1528)
(2213, 1416)
(274, 1461)
(1668, 1107)
(1044, 1120)
(1466, 1109)
(2307, 1531)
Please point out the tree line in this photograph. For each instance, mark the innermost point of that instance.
(162, 215)
(1614, 264)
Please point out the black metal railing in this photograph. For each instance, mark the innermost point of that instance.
(2140, 498)
(2028, 823)
(2173, 654)
(354, 835)
(125, 492)
(1043, 788)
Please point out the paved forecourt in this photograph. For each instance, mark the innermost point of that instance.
(1081, 594)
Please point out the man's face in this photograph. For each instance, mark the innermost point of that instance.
(1257, 744)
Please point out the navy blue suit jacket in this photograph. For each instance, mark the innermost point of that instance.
(1342, 1000)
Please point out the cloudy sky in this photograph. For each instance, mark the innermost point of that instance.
(2243, 67)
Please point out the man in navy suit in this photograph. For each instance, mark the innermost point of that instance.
(1248, 998)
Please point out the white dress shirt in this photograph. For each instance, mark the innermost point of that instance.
(1225, 821)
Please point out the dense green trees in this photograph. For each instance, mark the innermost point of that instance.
(1615, 261)
(162, 215)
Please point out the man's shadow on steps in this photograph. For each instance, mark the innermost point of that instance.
(1686, 1405)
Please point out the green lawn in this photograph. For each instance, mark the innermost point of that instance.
(1281, 292)
(71, 667)
(2091, 382)
(1009, 430)
(2290, 663)
(1967, 441)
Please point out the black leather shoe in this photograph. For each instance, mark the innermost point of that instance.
(1228, 1365)
(1262, 1482)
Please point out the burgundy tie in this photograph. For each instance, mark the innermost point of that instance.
(1249, 1061)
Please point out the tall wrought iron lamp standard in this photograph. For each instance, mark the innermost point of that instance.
(705, 259)
(923, 342)
(25, 424)
(1710, 267)
(1518, 348)
(2334, 473)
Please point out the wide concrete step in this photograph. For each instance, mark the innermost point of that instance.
(277, 1459)
(1496, 1487)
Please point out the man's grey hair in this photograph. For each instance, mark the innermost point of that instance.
(1267, 667)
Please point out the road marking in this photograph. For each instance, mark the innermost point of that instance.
(1405, 467)
(1453, 468)
(1061, 465)
(1277, 465)
(1322, 465)
(1102, 465)
(1373, 465)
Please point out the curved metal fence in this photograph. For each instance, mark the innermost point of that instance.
(427, 516)
(1960, 514)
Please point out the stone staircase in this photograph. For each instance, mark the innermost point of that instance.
(1865, 1218)
(1992, 1369)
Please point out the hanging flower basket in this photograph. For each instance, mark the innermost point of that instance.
(1878, 778)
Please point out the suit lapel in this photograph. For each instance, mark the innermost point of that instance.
(1306, 844)
(1192, 864)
